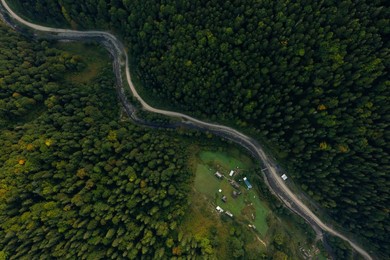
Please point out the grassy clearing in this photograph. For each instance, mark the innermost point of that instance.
(93, 56)
(226, 162)
(205, 182)
(202, 218)
(274, 230)
(247, 207)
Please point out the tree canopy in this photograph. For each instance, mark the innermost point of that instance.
(309, 77)
(74, 181)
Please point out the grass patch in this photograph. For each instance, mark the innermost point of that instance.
(94, 56)
(246, 208)
(203, 220)
(205, 182)
(275, 229)
(226, 161)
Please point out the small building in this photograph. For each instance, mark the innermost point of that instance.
(284, 177)
(248, 184)
(219, 209)
(231, 173)
(252, 226)
(235, 194)
(219, 175)
(229, 214)
(224, 199)
(234, 184)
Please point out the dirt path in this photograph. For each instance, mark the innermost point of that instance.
(261, 241)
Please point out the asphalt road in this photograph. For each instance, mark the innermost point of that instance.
(121, 61)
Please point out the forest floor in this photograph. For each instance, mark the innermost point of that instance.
(93, 56)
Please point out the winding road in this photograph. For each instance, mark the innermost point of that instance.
(121, 61)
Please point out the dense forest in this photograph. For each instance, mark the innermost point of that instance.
(75, 182)
(308, 76)
(78, 181)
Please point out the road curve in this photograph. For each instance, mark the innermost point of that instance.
(276, 184)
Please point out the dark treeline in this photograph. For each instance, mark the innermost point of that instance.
(309, 76)
(74, 182)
